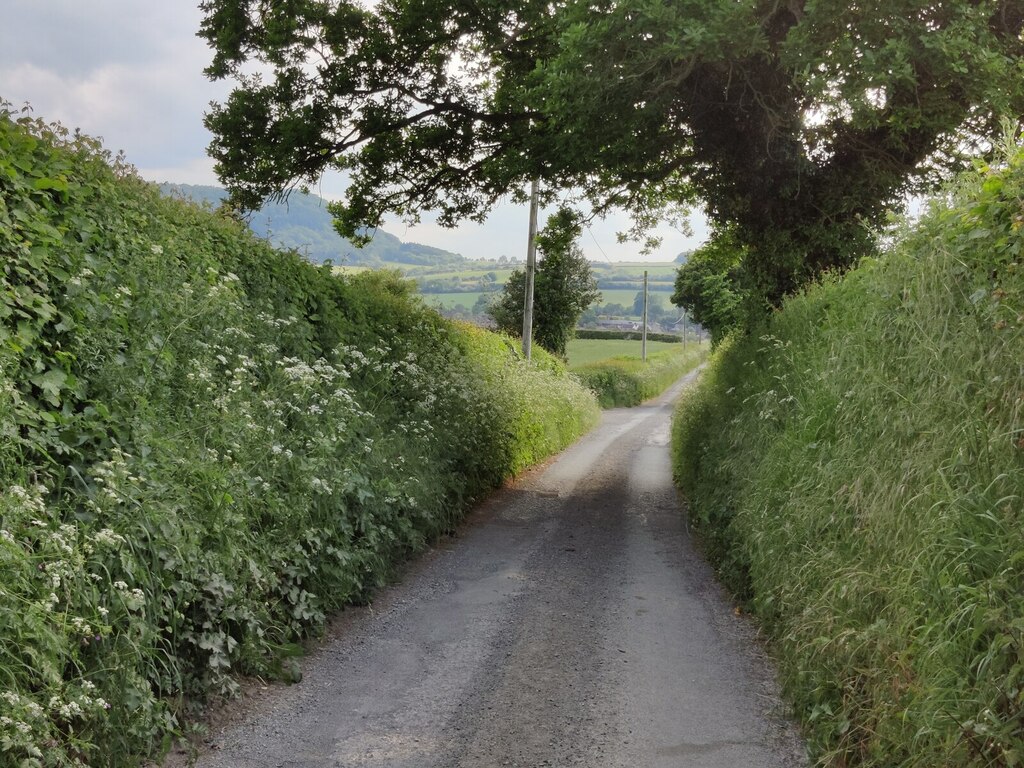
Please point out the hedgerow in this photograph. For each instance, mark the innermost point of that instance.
(601, 333)
(628, 381)
(208, 446)
(856, 469)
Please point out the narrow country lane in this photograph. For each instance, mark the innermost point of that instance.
(570, 623)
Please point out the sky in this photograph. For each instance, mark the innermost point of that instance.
(131, 72)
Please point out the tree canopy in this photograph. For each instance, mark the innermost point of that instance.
(794, 122)
(564, 286)
(709, 286)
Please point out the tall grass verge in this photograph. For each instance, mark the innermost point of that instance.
(856, 469)
(209, 445)
(628, 381)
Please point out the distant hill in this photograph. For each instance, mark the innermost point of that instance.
(303, 223)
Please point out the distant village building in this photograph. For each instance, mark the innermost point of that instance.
(619, 325)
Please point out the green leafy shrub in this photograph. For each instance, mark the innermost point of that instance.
(628, 381)
(710, 286)
(565, 286)
(856, 469)
(209, 445)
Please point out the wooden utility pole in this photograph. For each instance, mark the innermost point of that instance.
(684, 329)
(531, 268)
(643, 336)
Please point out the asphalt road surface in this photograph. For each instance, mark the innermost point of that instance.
(570, 623)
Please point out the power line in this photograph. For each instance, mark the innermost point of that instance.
(592, 237)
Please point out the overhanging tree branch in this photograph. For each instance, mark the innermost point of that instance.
(793, 123)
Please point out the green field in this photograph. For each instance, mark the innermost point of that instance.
(659, 292)
(470, 277)
(450, 300)
(625, 296)
(468, 298)
(617, 270)
(349, 270)
(624, 380)
(583, 351)
(468, 273)
(472, 271)
(655, 270)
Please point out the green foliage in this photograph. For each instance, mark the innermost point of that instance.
(543, 407)
(564, 286)
(794, 123)
(856, 469)
(208, 445)
(707, 285)
(628, 381)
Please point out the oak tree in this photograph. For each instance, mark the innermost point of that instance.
(795, 122)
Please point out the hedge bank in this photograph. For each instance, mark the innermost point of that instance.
(208, 446)
(856, 470)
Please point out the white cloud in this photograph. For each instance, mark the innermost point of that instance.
(195, 171)
(74, 38)
(148, 113)
(505, 233)
(131, 76)
(130, 71)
